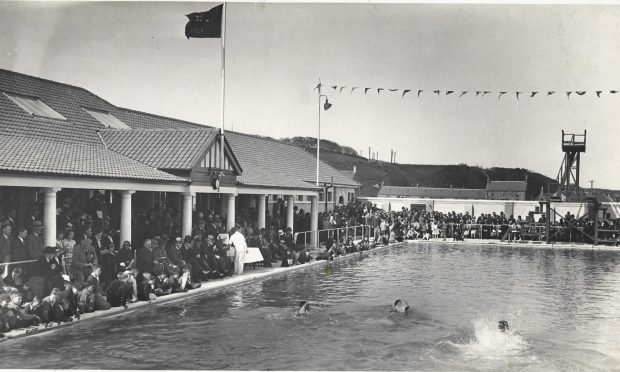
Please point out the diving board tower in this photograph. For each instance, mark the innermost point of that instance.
(568, 176)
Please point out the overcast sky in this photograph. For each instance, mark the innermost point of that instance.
(136, 55)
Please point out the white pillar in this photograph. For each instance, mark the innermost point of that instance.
(188, 201)
(230, 213)
(49, 217)
(290, 202)
(126, 216)
(261, 210)
(314, 220)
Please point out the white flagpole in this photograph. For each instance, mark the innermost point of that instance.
(223, 82)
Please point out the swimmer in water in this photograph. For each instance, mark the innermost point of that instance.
(503, 326)
(304, 307)
(400, 306)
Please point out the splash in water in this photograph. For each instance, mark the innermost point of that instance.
(489, 343)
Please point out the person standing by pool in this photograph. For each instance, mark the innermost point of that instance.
(238, 241)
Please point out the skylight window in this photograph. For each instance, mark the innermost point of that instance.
(107, 119)
(35, 107)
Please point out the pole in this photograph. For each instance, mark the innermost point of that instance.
(318, 138)
(223, 82)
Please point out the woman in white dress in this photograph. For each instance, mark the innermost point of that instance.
(238, 241)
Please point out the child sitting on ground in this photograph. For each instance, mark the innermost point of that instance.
(86, 299)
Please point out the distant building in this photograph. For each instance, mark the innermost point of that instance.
(495, 190)
(431, 192)
(506, 190)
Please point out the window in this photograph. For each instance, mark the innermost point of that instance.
(330, 196)
(300, 198)
(309, 198)
(107, 119)
(321, 196)
(351, 196)
(274, 197)
(212, 158)
(35, 107)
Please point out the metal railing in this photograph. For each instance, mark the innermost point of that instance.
(4, 266)
(307, 239)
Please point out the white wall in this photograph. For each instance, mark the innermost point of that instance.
(515, 208)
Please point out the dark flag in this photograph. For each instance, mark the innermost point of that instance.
(438, 92)
(379, 90)
(405, 92)
(206, 24)
(392, 90)
(448, 92)
(613, 91)
(568, 94)
(581, 92)
(598, 93)
(485, 93)
(463, 93)
(341, 88)
(419, 92)
(366, 90)
(334, 87)
(550, 92)
(352, 89)
(533, 94)
(500, 95)
(517, 94)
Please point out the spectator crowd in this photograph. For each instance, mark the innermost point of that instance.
(89, 269)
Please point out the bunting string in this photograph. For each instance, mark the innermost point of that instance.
(478, 93)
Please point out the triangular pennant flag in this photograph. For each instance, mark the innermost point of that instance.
(517, 94)
(334, 87)
(318, 86)
(463, 93)
(581, 92)
(533, 94)
(405, 92)
(341, 88)
(420, 91)
(598, 93)
(550, 92)
(438, 92)
(613, 91)
(485, 93)
(448, 92)
(392, 90)
(366, 90)
(478, 93)
(352, 89)
(500, 95)
(379, 90)
(568, 94)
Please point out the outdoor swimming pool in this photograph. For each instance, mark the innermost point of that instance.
(563, 304)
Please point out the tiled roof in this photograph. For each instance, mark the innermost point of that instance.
(161, 148)
(28, 155)
(514, 186)
(432, 192)
(264, 162)
(65, 99)
(281, 158)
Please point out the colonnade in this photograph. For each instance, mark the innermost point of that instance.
(49, 213)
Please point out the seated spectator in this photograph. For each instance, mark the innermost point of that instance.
(86, 298)
(162, 285)
(146, 287)
(18, 282)
(19, 316)
(69, 298)
(100, 302)
(119, 291)
(51, 308)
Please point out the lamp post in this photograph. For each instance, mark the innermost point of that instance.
(326, 107)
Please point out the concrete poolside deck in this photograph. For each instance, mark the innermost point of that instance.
(260, 273)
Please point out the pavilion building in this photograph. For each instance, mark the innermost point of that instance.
(58, 140)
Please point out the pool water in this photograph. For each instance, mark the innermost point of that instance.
(563, 307)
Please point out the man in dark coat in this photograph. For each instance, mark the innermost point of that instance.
(119, 291)
(18, 248)
(5, 243)
(93, 279)
(125, 257)
(34, 242)
(47, 272)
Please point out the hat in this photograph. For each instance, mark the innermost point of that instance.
(210, 237)
(50, 250)
(179, 240)
(66, 278)
(280, 232)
